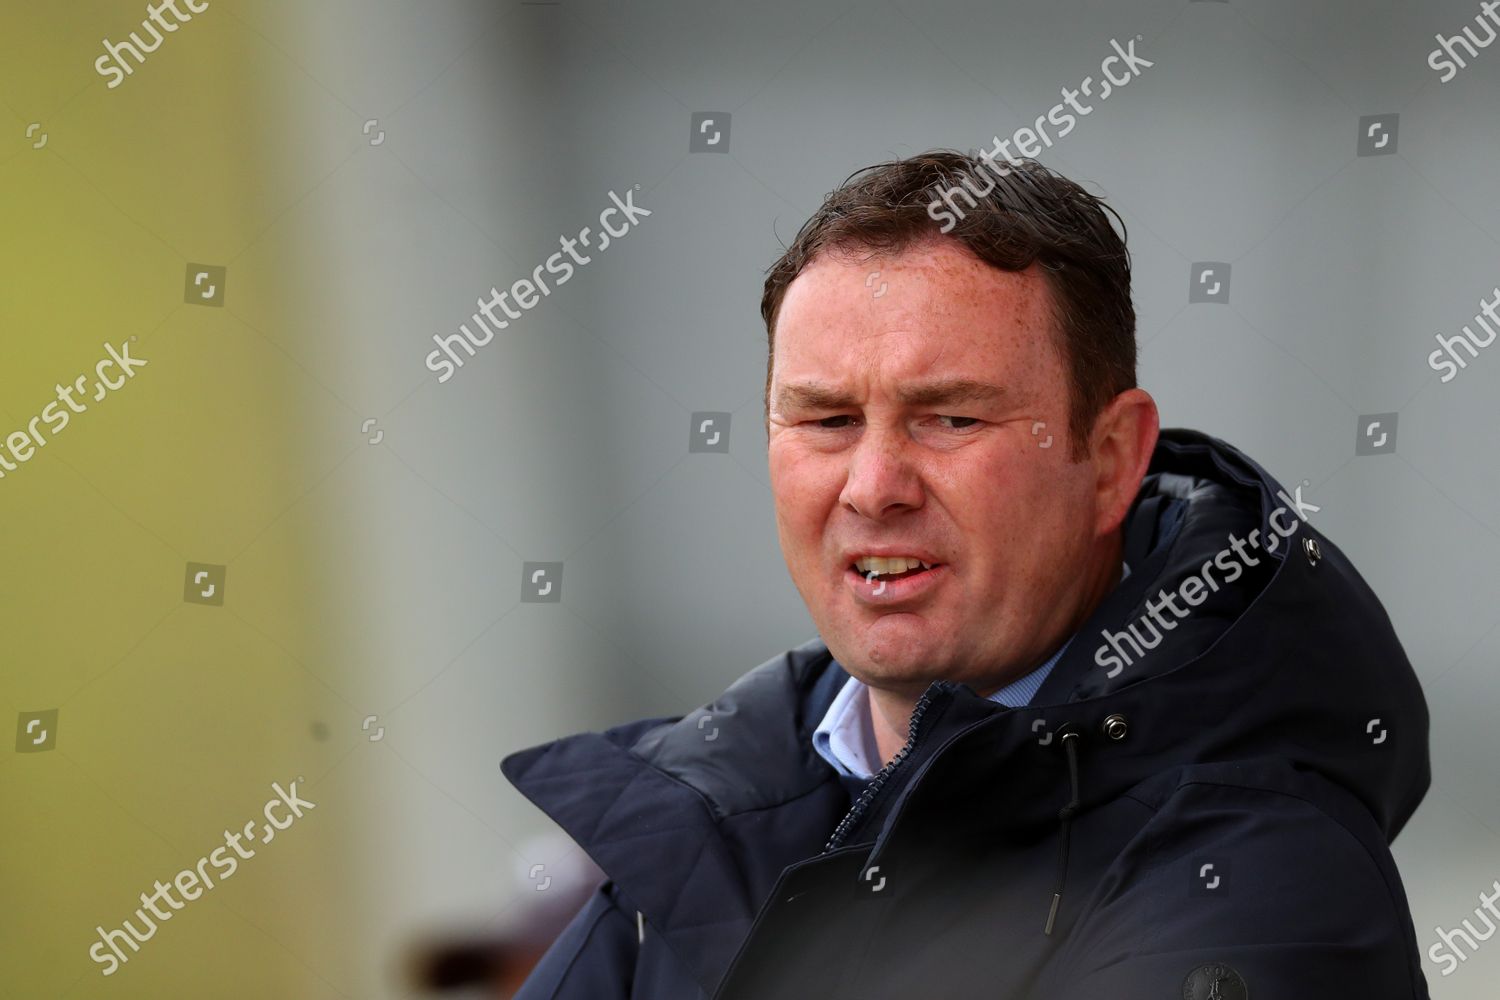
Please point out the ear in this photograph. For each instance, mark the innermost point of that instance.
(1121, 443)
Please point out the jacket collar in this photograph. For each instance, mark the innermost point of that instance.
(694, 818)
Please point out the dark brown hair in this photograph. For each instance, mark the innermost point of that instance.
(1009, 214)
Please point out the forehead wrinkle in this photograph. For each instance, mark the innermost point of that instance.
(917, 392)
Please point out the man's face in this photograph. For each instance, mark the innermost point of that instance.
(867, 455)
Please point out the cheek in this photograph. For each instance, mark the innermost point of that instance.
(1020, 515)
(803, 494)
(1062, 525)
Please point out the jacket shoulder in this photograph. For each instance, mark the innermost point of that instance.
(751, 748)
(1275, 872)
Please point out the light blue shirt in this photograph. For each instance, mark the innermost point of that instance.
(846, 739)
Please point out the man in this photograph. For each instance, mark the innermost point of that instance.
(1092, 710)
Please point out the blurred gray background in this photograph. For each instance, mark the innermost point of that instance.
(566, 438)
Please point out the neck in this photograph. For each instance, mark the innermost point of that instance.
(890, 717)
(891, 709)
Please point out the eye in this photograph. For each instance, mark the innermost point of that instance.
(823, 423)
(971, 421)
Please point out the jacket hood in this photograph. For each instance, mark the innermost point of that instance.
(1291, 658)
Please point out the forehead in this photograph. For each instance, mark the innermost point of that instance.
(933, 309)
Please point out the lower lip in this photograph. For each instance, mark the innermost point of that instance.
(881, 592)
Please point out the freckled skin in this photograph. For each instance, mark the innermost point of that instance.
(1031, 541)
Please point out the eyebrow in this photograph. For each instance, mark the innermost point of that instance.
(935, 392)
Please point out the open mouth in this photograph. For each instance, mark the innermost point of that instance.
(903, 575)
(875, 576)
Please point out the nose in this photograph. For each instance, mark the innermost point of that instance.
(882, 478)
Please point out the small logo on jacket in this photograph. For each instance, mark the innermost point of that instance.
(1216, 981)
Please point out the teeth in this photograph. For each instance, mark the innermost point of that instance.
(884, 565)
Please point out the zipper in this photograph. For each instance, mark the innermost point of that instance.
(842, 830)
(872, 790)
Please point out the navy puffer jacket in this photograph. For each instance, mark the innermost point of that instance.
(1205, 815)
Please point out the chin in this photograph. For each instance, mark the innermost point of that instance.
(894, 658)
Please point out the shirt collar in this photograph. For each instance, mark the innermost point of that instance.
(846, 739)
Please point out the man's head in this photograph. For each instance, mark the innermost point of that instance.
(967, 398)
